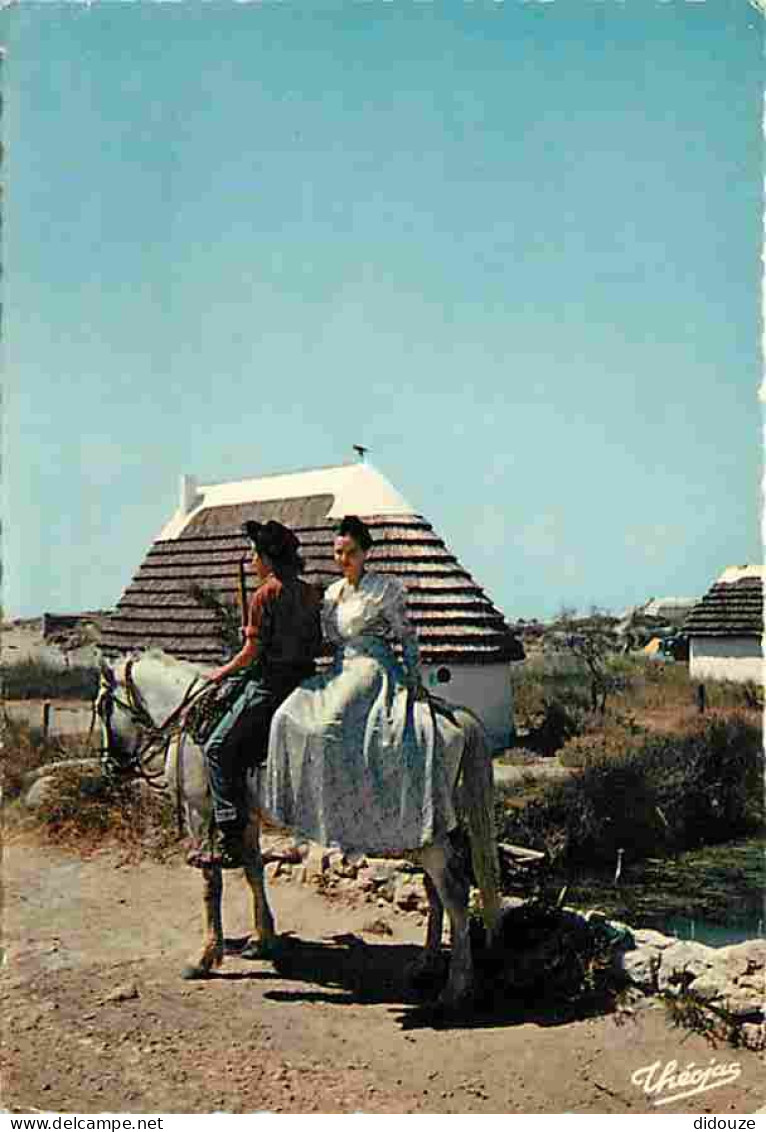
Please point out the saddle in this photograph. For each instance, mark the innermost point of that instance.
(212, 704)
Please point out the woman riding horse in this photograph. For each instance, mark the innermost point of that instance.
(282, 637)
(359, 758)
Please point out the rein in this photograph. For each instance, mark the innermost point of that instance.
(158, 736)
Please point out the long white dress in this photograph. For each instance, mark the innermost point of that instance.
(354, 760)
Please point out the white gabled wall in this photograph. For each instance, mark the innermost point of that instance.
(357, 489)
(726, 658)
(484, 688)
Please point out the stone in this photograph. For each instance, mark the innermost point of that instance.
(640, 967)
(40, 792)
(340, 865)
(743, 1003)
(380, 872)
(652, 938)
(387, 891)
(410, 892)
(682, 962)
(743, 959)
(280, 848)
(754, 1036)
(123, 993)
(315, 864)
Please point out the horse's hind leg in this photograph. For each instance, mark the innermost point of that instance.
(445, 869)
(212, 950)
(262, 943)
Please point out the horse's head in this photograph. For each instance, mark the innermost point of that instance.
(136, 720)
(121, 728)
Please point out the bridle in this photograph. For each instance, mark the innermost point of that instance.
(152, 737)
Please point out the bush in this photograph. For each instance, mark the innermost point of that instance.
(81, 806)
(649, 793)
(90, 810)
(24, 749)
(34, 679)
(561, 721)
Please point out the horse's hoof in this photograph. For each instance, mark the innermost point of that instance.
(427, 974)
(453, 1006)
(195, 971)
(260, 949)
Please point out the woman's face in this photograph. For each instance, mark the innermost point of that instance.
(261, 565)
(349, 556)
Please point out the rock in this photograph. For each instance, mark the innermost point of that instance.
(387, 891)
(315, 864)
(410, 892)
(640, 967)
(378, 927)
(123, 993)
(744, 1003)
(380, 872)
(754, 1035)
(682, 962)
(736, 979)
(652, 938)
(279, 848)
(339, 864)
(40, 792)
(744, 959)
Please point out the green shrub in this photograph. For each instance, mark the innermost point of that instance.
(35, 679)
(649, 793)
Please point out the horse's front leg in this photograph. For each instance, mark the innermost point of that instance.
(445, 869)
(212, 948)
(263, 941)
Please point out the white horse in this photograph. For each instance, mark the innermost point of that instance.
(139, 704)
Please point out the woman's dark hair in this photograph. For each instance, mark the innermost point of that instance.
(353, 526)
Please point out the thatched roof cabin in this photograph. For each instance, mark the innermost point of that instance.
(466, 643)
(725, 628)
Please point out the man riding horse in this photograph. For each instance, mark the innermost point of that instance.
(282, 638)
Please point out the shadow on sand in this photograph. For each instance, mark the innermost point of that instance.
(346, 970)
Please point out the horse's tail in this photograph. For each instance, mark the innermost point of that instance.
(478, 803)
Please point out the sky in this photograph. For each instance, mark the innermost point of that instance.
(512, 247)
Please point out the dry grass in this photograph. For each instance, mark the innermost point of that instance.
(80, 809)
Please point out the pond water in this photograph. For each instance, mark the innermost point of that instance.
(715, 895)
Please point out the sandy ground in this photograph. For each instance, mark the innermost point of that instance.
(96, 1017)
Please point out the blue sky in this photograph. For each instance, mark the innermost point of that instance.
(512, 247)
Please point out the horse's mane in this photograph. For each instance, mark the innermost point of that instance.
(170, 662)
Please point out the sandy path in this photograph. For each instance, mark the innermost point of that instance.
(333, 1031)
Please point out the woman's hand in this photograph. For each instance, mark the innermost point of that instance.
(218, 675)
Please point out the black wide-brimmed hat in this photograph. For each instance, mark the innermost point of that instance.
(272, 539)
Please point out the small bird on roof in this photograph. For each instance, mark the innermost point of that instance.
(360, 449)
